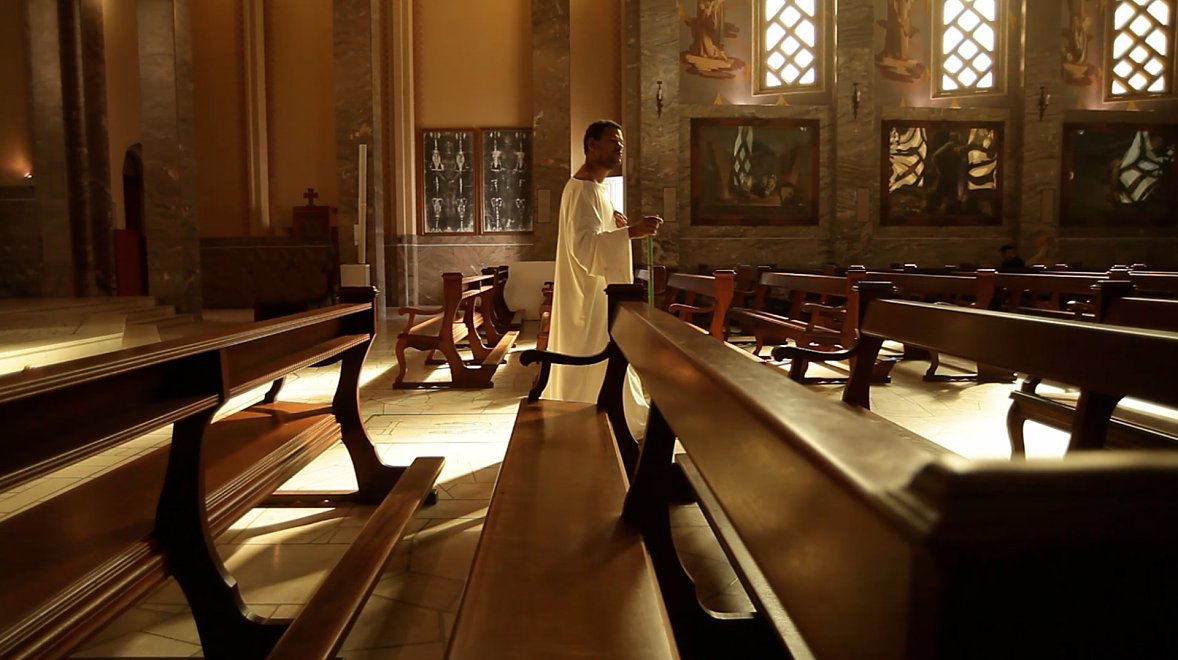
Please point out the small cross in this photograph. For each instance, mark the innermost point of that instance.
(310, 196)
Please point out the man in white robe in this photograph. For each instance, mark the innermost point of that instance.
(592, 251)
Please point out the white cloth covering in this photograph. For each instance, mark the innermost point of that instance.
(591, 252)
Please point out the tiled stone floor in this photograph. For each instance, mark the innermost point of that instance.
(279, 555)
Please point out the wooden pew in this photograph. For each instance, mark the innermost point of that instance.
(821, 314)
(680, 294)
(1062, 295)
(1131, 425)
(556, 574)
(1048, 348)
(503, 318)
(815, 311)
(468, 305)
(71, 564)
(879, 544)
(974, 290)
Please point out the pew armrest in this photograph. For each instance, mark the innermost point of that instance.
(693, 309)
(547, 358)
(413, 312)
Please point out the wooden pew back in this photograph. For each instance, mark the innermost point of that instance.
(864, 540)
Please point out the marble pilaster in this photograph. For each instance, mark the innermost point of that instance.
(358, 29)
(51, 194)
(551, 104)
(659, 169)
(165, 69)
(83, 92)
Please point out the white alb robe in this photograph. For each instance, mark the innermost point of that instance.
(591, 252)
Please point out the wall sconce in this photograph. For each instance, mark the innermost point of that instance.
(658, 99)
(28, 176)
(855, 100)
(1044, 99)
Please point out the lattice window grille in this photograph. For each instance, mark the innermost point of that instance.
(1141, 59)
(969, 32)
(790, 53)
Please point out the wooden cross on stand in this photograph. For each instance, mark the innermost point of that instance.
(310, 196)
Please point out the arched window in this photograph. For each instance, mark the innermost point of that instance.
(967, 38)
(793, 45)
(1141, 48)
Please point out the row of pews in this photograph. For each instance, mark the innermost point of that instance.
(852, 536)
(72, 563)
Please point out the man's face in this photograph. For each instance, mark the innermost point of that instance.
(609, 148)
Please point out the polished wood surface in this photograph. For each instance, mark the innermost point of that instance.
(468, 307)
(325, 620)
(878, 544)
(557, 574)
(703, 300)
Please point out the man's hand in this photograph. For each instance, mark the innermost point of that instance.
(621, 220)
(647, 226)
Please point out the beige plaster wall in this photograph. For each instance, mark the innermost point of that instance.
(219, 122)
(472, 63)
(16, 149)
(124, 115)
(596, 63)
(299, 106)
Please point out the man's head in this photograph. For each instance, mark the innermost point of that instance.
(1007, 251)
(604, 144)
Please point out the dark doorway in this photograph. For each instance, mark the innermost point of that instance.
(131, 242)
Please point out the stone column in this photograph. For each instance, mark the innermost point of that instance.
(49, 150)
(83, 93)
(551, 102)
(659, 166)
(169, 162)
(1042, 141)
(359, 28)
(856, 176)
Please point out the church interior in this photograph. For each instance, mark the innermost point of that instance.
(275, 291)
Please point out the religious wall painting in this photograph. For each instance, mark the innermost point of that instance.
(446, 164)
(897, 60)
(1119, 175)
(507, 180)
(754, 171)
(708, 55)
(1077, 51)
(941, 173)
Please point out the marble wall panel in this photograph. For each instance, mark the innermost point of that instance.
(432, 256)
(241, 271)
(358, 29)
(49, 150)
(165, 68)
(20, 243)
(551, 58)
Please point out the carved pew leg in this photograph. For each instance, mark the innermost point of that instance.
(699, 632)
(227, 627)
(1015, 419)
(402, 365)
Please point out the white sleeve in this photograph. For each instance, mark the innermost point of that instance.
(600, 252)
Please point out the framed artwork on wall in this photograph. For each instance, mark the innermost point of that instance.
(938, 173)
(447, 198)
(1119, 175)
(754, 171)
(506, 180)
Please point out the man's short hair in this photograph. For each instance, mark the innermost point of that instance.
(597, 129)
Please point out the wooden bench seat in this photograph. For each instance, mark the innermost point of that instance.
(468, 306)
(557, 574)
(71, 564)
